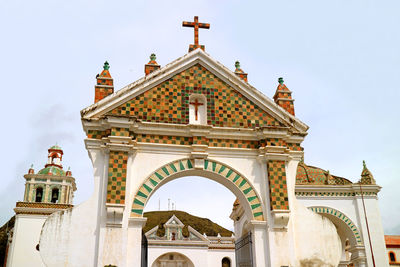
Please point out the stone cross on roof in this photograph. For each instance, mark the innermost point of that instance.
(196, 25)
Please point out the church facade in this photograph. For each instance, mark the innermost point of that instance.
(196, 117)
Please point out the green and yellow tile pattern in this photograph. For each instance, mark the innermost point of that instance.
(231, 143)
(168, 102)
(116, 185)
(277, 185)
(164, 139)
(175, 167)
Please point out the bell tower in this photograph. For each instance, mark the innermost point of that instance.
(49, 190)
(51, 185)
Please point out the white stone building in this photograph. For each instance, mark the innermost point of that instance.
(196, 117)
(177, 250)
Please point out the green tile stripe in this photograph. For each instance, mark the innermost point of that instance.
(342, 217)
(169, 169)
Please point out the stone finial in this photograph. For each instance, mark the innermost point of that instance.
(237, 65)
(152, 65)
(104, 84)
(106, 66)
(239, 72)
(366, 175)
(31, 170)
(68, 173)
(283, 97)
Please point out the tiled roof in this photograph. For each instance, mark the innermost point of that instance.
(52, 170)
(392, 240)
(317, 176)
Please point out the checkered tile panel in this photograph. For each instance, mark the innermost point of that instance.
(277, 185)
(233, 143)
(164, 139)
(116, 186)
(168, 102)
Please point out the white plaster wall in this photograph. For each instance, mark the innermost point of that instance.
(70, 237)
(312, 240)
(215, 257)
(200, 256)
(352, 208)
(26, 236)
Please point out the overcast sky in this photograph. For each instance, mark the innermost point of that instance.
(340, 58)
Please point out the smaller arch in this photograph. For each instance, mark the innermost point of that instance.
(226, 262)
(55, 195)
(39, 194)
(392, 257)
(170, 257)
(351, 227)
(50, 193)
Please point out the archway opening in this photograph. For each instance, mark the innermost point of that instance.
(172, 259)
(246, 208)
(197, 196)
(188, 211)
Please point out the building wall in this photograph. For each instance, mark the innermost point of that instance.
(353, 209)
(200, 256)
(396, 252)
(26, 236)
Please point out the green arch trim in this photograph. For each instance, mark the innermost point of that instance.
(342, 217)
(152, 182)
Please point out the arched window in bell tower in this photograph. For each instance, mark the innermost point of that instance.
(54, 195)
(39, 194)
(197, 109)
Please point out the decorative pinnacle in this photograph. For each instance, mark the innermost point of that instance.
(32, 166)
(237, 64)
(153, 57)
(280, 80)
(364, 165)
(106, 66)
(69, 168)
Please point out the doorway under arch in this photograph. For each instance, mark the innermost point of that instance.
(172, 259)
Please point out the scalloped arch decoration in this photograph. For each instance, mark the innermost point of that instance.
(342, 217)
(153, 181)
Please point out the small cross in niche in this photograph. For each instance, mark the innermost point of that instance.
(196, 105)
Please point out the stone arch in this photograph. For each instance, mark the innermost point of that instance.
(349, 227)
(214, 170)
(35, 188)
(56, 186)
(166, 258)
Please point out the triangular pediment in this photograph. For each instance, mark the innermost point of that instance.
(163, 97)
(195, 235)
(174, 222)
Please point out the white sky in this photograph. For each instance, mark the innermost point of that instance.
(340, 58)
